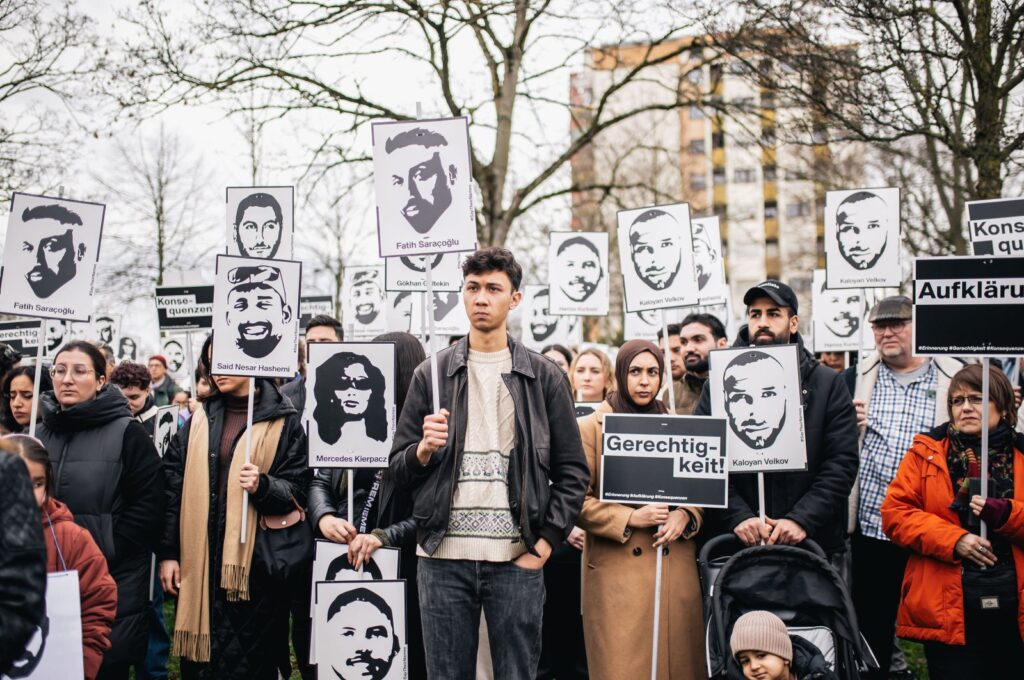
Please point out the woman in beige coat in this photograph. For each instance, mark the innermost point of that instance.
(619, 554)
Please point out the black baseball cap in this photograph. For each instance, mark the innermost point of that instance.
(778, 292)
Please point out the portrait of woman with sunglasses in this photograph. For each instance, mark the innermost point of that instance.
(349, 394)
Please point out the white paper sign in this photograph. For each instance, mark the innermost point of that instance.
(363, 305)
(255, 317)
(410, 273)
(127, 349)
(540, 326)
(656, 257)
(360, 630)
(174, 351)
(260, 222)
(862, 238)
(165, 426)
(107, 329)
(50, 257)
(55, 650)
(997, 227)
(757, 390)
(350, 403)
(837, 316)
(578, 273)
(709, 261)
(421, 177)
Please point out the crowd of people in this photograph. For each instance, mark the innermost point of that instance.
(515, 568)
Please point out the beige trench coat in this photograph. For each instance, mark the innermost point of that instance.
(618, 587)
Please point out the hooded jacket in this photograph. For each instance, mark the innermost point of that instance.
(107, 472)
(815, 498)
(70, 547)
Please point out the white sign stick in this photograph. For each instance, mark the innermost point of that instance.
(984, 436)
(760, 499)
(432, 344)
(668, 364)
(657, 608)
(191, 363)
(41, 340)
(350, 483)
(248, 452)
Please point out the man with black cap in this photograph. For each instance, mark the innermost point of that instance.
(896, 395)
(807, 503)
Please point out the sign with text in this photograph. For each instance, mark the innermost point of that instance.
(656, 257)
(862, 238)
(997, 227)
(680, 460)
(313, 305)
(409, 273)
(184, 308)
(968, 306)
(22, 336)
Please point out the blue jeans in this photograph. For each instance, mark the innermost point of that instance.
(155, 667)
(452, 593)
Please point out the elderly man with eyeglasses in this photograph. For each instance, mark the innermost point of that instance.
(896, 395)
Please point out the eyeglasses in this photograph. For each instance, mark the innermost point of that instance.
(78, 372)
(894, 326)
(345, 382)
(972, 399)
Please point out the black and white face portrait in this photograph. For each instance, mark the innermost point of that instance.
(255, 320)
(656, 252)
(405, 312)
(707, 259)
(760, 399)
(55, 648)
(260, 221)
(166, 423)
(175, 355)
(421, 178)
(127, 349)
(419, 264)
(50, 256)
(862, 238)
(542, 323)
(837, 316)
(360, 630)
(32, 657)
(578, 266)
(410, 273)
(540, 327)
(57, 333)
(364, 302)
(106, 329)
(350, 403)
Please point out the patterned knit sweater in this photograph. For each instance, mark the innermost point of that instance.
(481, 526)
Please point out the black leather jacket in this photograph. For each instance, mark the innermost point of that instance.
(392, 515)
(547, 473)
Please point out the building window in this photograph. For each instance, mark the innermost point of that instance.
(768, 137)
(696, 113)
(770, 173)
(696, 75)
(695, 146)
(798, 210)
(771, 210)
(718, 176)
(717, 140)
(744, 175)
(698, 182)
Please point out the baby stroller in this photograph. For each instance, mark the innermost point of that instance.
(794, 582)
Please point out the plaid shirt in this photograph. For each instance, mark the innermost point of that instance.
(895, 414)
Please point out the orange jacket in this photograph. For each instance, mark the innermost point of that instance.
(916, 516)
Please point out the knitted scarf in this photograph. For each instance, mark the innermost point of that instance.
(964, 460)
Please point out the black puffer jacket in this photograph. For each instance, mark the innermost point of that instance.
(816, 498)
(107, 471)
(22, 561)
(547, 473)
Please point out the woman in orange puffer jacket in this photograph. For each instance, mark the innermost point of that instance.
(960, 592)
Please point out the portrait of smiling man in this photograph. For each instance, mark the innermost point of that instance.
(257, 309)
(367, 296)
(843, 311)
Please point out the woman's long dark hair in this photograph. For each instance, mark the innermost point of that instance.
(6, 415)
(408, 355)
(329, 414)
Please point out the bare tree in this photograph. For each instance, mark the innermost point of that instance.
(934, 83)
(502, 63)
(158, 188)
(49, 52)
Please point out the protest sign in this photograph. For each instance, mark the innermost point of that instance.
(540, 326)
(22, 336)
(862, 238)
(680, 460)
(421, 178)
(165, 426)
(55, 650)
(363, 304)
(184, 308)
(314, 305)
(757, 390)
(997, 227)
(350, 403)
(709, 261)
(968, 306)
(255, 317)
(656, 257)
(260, 222)
(578, 273)
(360, 630)
(837, 316)
(50, 257)
(409, 273)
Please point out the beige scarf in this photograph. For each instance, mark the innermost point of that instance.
(192, 622)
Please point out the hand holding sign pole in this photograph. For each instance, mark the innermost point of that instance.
(248, 453)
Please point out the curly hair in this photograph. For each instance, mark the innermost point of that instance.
(131, 374)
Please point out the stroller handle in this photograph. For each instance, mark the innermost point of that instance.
(730, 544)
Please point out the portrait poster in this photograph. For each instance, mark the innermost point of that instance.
(255, 317)
(409, 273)
(680, 460)
(421, 178)
(359, 630)
(656, 257)
(165, 426)
(709, 261)
(585, 408)
(184, 308)
(106, 328)
(55, 650)
(540, 326)
(862, 238)
(405, 312)
(50, 256)
(21, 335)
(449, 314)
(996, 227)
(260, 222)
(127, 349)
(350, 403)
(173, 349)
(968, 306)
(314, 305)
(757, 390)
(578, 273)
(837, 316)
(642, 325)
(363, 303)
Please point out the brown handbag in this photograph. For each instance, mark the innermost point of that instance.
(296, 515)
